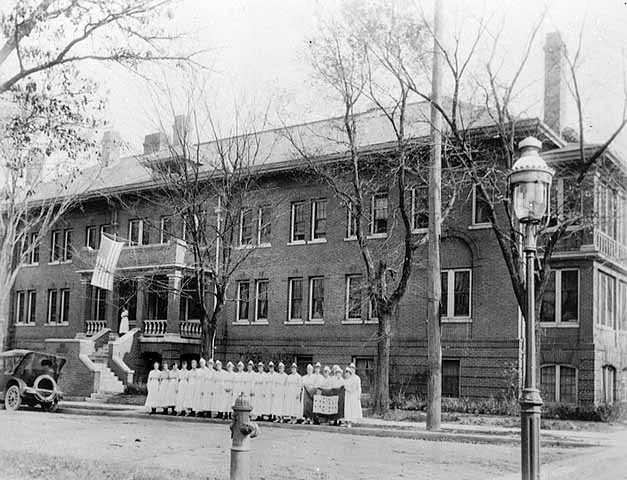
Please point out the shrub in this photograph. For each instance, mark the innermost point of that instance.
(136, 389)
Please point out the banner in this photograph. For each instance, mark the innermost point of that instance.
(323, 404)
(106, 263)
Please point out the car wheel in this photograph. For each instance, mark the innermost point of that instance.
(12, 398)
(50, 406)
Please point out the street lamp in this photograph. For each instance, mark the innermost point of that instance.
(530, 183)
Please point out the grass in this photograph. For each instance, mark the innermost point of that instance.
(125, 399)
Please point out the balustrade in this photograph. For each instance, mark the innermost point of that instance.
(610, 247)
(155, 327)
(94, 326)
(190, 329)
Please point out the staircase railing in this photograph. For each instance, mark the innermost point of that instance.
(119, 349)
(155, 328)
(92, 327)
(101, 338)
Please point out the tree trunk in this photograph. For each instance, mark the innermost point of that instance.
(5, 322)
(207, 341)
(382, 381)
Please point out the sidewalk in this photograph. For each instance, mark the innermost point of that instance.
(449, 432)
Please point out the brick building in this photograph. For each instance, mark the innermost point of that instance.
(295, 296)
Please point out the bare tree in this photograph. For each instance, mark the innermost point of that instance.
(50, 108)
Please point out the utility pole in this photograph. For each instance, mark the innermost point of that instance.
(434, 287)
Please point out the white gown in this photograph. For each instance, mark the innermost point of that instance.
(182, 390)
(259, 397)
(192, 381)
(352, 398)
(220, 398)
(162, 395)
(171, 388)
(279, 383)
(294, 396)
(199, 390)
(209, 390)
(153, 390)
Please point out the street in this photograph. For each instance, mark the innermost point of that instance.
(35, 445)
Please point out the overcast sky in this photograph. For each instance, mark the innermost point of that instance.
(256, 51)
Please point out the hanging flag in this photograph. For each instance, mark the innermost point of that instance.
(106, 262)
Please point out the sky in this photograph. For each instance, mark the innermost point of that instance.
(256, 55)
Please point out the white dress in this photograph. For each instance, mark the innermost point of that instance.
(164, 386)
(279, 383)
(209, 390)
(199, 390)
(229, 385)
(219, 399)
(182, 390)
(171, 388)
(258, 397)
(352, 398)
(123, 323)
(192, 381)
(153, 390)
(294, 396)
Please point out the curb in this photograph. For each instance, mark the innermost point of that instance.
(441, 436)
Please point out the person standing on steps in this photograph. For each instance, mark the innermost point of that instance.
(123, 322)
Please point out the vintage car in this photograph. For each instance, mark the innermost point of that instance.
(30, 378)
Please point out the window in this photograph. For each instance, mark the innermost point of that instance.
(558, 383)
(190, 306)
(67, 245)
(100, 303)
(56, 246)
(364, 367)
(606, 315)
(261, 308)
(450, 378)
(30, 249)
(373, 313)
(353, 298)
(246, 227)
(137, 233)
(243, 300)
(420, 208)
(566, 201)
(302, 361)
(64, 313)
(318, 219)
(480, 208)
(456, 293)
(609, 384)
(379, 214)
(91, 238)
(264, 225)
(351, 223)
(316, 299)
(299, 223)
(165, 229)
(32, 306)
(52, 306)
(20, 297)
(107, 230)
(295, 313)
(622, 306)
(561, 298)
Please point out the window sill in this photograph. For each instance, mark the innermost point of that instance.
(456, 319)
(420, 231)
(480, 226)
(350, 239)
(352, 321)
(293, 322)
(558, 324)
(25, 324)
(264, 245)
(58, 262)
(241, 322)
(317, 240)
(260, 322)
(244, 247)
(317, 321)
(374, 236)
(29, 264)
(296, 242)
(57, 324)
(372, 321)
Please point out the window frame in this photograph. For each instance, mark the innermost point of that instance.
(347, 285)
(64, 306)
(459, 377)
(56, 253)
(67, 245)
(315, 207)
(261, 227)
(262, 320)
(373, 219)
(240, 238)
(52, 315)
(20, 308)
(605, 371)
(450, 307)
(31, 307)
(165, 235)
(290, 318)
(414, 228)
(293, 241)
(558, 322)
(32, 259)
(238, 304)
(91, 237)
(474, 222)
(140, 233)
(310, 310)
(558, 386)
(351, 225)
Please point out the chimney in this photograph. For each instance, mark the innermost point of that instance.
(554, 86)
(110, 148)
(154, 142)
(180, 130)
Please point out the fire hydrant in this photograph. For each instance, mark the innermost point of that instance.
(242, 430)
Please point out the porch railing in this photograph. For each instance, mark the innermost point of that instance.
(190, 328)
(155, 328)
(94, 326)
(609, 247)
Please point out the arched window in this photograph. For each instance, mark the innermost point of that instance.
(609, 384)
(558, 383)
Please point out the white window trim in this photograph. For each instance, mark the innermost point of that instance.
(373, 219)
(140, 232)
(52, 292)
(451, 296)
(62, 300)
(88, 235)
(414, 229)
(102, 231)
(310, 319)
(347, 320)
(240, 240)
(162, 230)
(558, 323)
(598, 310)
(474, 224)
(66, 245)
(29, 262)
(264, 320)
(20, 305)
(349, 222)
(259, 226)
(290, 320)
(237, 320)
(29, 307)
(292, 224)
(558, 393)
(371, 318)
(314, 212)
(605, 369)
(53, 247)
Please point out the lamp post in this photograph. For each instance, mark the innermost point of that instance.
(530, 181)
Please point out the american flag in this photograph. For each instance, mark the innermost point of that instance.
(106, 262)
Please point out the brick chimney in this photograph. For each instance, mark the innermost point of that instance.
(155, 142)
(555, 92)
(110, 147)
(180, 130)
